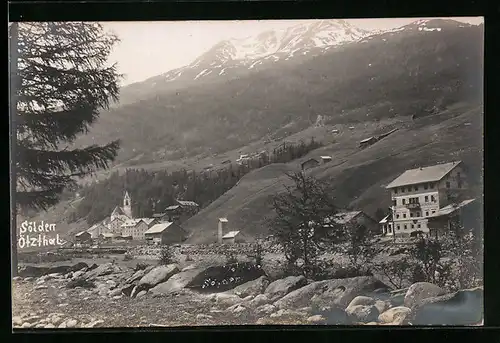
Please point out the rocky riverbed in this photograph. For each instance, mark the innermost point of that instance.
(115, 296)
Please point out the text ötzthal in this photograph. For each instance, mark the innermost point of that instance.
(39, 241)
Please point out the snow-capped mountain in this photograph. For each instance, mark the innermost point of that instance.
(235, 57)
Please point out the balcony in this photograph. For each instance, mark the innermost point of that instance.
(413, 206)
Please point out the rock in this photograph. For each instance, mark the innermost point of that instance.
(362, 313)
(284, 312)
(261, 321)
(29, 278)
(71, 323)
(202, 316)
(334, 315)
(282, 287)
(338, 292)
(56, 320)
(464, 307)
(316, 319)
(259, 300)
(158, 275)
(116, 297)
(237, 308)
(420, 291)
(136, 276)
(94, 323)
(227, 299)
(41, 287)
(176, 282)
(381, 305)
(102, 270)
(394, 315)
(26, 325)
(265, 309)
(362, 300)
(125, 289)
(141, 293)
(49, 326)
(16, 320)
(17, 278)
(252, 288)
(134, 292)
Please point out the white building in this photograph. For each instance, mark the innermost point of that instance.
(420, 193)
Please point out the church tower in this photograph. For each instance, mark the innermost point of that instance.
(127, 207)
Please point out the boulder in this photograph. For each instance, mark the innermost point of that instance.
(158, 275)
(259, 300)
(316, 319)
(136, 276)
(395, 315)
(265, 309)
(420, 291)
(362, 300)
(381, 305)
(251, 288)
(227, 299)
(103, 269)
(176, 282)
(362, 313)
(338, 292)
(464, 307)
(282, 287)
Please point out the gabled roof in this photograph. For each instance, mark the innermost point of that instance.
(157, 228)
(131, 222)
(118, 210)
(108, 235)
(173, 207)
(311, 159)
(187, 203)
(147, 220)
(424, 174)
(231, 234)
(81, 233)
(158, 215)
(451, 208)
(343, 217)
(386, 219)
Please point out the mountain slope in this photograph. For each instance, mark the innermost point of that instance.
(392, 74)
(357, 176)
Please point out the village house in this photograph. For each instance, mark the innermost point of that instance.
(83, 238)
(232, 237)
(165, 233)
(326, 159)
(310, 163)
(355, 218)
(466, 214)
(136, 228)
(420, 193)
(367, 142)
(120, 215)
(179, 212)
(98, 229)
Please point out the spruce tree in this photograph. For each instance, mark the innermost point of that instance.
(60, 81)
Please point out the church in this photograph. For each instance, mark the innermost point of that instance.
(120, 215)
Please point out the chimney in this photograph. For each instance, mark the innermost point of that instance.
(221, 229)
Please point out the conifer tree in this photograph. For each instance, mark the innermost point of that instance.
(60, 81)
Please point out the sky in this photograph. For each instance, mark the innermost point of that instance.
(148, 49)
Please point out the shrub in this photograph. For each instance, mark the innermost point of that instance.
(166, 255)
(399, 273)
(127, 257)
(140, 266)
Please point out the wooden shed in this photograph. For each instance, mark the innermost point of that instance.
(310, 163)
(166, 233)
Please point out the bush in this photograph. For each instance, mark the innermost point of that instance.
(140, 266)
(399, 273)
(166, 255)
(127, 257)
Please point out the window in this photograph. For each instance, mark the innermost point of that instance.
(405, 227)
(458, 174)
(397, 216)
(396, 190)
(404, 201)
(412, 226)
(433, 199)
(426, 186)
(399, 228)
(404, 215)
(418, 226)
(433, 212)
(411, 214)
(394, 203)
(418, 214)
(426, 213)
(415, 188)
(431, 185)
(426, 198)
(447, 184)
(402, 189)
(390, 230)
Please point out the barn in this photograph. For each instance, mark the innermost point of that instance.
(310, 163)
(165, 233)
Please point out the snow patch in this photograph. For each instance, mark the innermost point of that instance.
(222, 71)
(201, 73)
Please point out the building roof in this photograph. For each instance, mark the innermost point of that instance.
(343, 217)
(326, 157)
(81, 233)
(187, 203)
(309, 160)
(367, 139)
(451, 208)
(386, 219)
(231, 234)
(158, 228)
(131, 222)
(108, 235)
(173, 207)
(147, 220)
(224, 220)
(424, 174)
(158, 215)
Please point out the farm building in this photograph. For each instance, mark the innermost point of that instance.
(465, 213)
(367, 142)
(166, 233)
(137, 227)
(107, 237)
(310, 163)
(97, 229)
(232, 237)
(356, 218)
(179, 212)
(326, 159)
(83, 237)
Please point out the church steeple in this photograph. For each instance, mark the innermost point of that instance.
(127, 207)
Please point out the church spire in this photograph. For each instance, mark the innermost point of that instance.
(127, 207)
